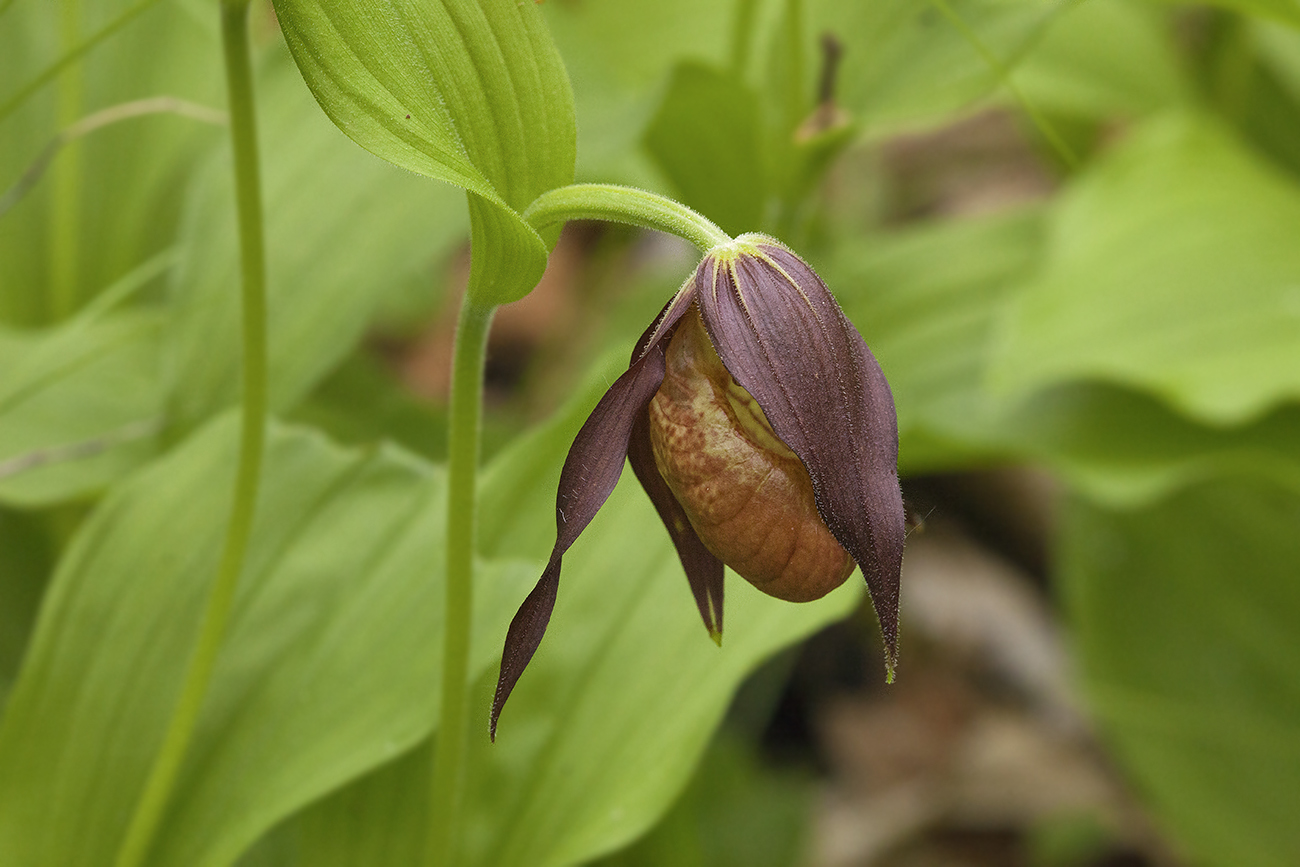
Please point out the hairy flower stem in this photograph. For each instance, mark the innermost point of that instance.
(158, 789)
(624, 205)
(462, 479)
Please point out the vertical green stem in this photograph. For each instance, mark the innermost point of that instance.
(452, 733)
(158, 789)
(64, 210)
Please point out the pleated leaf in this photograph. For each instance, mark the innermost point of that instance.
(471, 92)
(928, 300)
(1173, 268)
(122, 179)
(81, 403)
(1184, 618)
(330, 666)
(344, 232)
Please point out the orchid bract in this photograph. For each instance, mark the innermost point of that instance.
(762, 429)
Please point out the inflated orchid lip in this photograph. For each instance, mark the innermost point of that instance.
(783, 338)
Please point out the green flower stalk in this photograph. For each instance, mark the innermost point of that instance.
(762, 429)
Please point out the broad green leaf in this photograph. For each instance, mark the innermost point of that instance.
(362, 403)
(344, 231)
(1171, 267)
(619, 54)
(927, 300)
(471, 92)
(1261, 95)
(905, 63)
(379, 821)
(81, 403)
(1280, 47)
(735, 813)
(1124, 448)
(26, 557)
(330, 665)
(1184, 617)
(706, 137)
(1104, 58)
(121, 192)
(93, 417)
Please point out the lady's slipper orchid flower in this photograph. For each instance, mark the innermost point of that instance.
(763, 431)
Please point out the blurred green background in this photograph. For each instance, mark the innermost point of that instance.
(1070, 232)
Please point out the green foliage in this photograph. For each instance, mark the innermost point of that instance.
(1104, 59)
(618, 54)
(303, 698)
(735, 813)
(468, 93)
(707, 139)
(26, 555)
(1185, 614)
(905, 64)
(132, 175)
(345, 232)
(1203, 312)
(929, 300)
(80, 403)
(1137, 334)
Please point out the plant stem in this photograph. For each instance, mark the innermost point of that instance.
(463, 456)
(624, 205)
(167, 764)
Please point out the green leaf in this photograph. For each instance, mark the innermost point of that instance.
(1172, 267)
(80, 404)
(329, 668)
(1279, 47)
(471, 92)
(26, 557)
(1122, 447)
(125, 189)
(735, 813)
(379, 820)
(1105, 58)
(1184, 617)
(619, 54)
(706, 137)
(344, 231)
(904, 63)
(927, 300)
